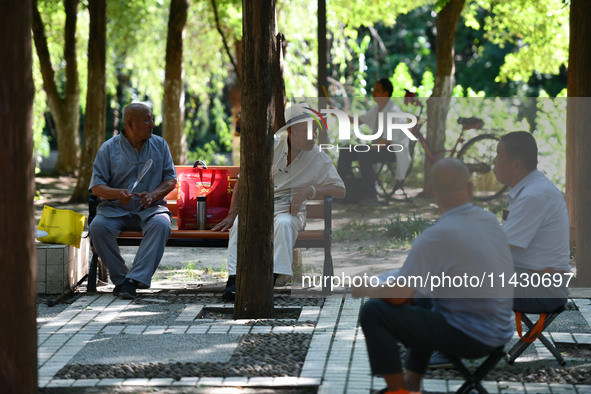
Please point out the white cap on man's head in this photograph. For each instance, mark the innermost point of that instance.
(296, 113)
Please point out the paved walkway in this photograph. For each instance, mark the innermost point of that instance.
(336, 361)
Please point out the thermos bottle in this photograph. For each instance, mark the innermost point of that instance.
(201, 212)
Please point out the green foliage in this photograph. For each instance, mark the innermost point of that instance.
(297, 21)
(206, 62)
(136, 45)
(550, 134)
(410, 41)
(53, 16)
(356, 230)
(40, 140)
(479, 59)
(521, 42)
(405, 229)
(54, 20)
(390, 41)
(538, 29)
(401, 80)
(208, 125)
(355, 13)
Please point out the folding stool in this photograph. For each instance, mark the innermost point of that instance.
(473, 379)
(535, 331)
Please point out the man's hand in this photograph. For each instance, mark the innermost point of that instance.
(298, 200)
(146, 199)
(125, 196)
(227, 223)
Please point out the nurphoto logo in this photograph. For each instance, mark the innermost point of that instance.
(388, 124)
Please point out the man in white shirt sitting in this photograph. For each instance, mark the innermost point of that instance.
(536, 224)
(301, 172)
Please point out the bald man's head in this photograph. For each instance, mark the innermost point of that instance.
(450, 183)
(139, 123)
(133, 109)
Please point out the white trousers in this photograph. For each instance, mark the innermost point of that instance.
(286, 228)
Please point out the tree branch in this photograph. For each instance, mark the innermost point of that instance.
(72, 85)
(219, 29)
(47, 72)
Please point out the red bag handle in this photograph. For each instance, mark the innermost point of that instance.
(201, 163)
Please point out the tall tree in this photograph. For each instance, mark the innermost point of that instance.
(18, 334)
(438, 103)
(96, 97)
(174, 90)
(578, 188)
(254, 296)
(322, 80)
(65, 107)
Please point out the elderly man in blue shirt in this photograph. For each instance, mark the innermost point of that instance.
(468, 318)
(116, 169)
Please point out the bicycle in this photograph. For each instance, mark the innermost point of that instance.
(477, 153)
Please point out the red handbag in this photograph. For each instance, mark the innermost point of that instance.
(212, 183)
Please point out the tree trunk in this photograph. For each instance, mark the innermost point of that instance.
(235, 97)
(173, 129)
(254, 284)
(279, 97)
(96, 98)
(578, 137)
(66, 110)
(438, 103)
(18, 333)
(322, 83)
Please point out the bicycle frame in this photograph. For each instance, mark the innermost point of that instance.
(467, 124)
(474, 153)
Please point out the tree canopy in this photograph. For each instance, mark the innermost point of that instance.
(502, 48)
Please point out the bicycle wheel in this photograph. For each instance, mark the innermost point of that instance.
(478, 154)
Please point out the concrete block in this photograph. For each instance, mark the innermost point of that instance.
(55, 273)
(60, 267)
(55, 255)
(41, 261)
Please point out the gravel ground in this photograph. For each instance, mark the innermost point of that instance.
(284, 354)
(572, 375)
(256, 355)
(163, 309)
(156, 349)
(180, 390)
(577, 371)
(45, 313)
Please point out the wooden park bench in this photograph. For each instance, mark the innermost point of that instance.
(316, 209)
